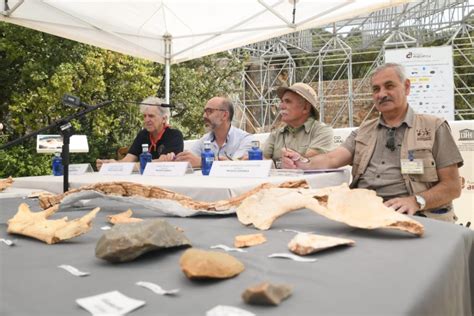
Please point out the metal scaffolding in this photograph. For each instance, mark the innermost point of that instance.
(341, 56)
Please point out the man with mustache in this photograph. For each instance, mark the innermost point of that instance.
(302, 132)
(163, 141)
(409, 159)
(227, 141)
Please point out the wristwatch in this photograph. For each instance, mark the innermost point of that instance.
(421, 201)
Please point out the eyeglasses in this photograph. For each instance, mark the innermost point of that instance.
(209, 111)
(391, 140)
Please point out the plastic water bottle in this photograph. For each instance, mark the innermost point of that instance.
(255, 153)
(57, 165)
(207, 158)
(145, 157)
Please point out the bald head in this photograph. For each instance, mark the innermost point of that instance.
(224, 104)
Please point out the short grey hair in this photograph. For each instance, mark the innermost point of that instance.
(399, 69)
(156, 102)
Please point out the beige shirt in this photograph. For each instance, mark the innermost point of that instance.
(311, 135)
(383, 172)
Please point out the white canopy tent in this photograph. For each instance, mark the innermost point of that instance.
(173, 31)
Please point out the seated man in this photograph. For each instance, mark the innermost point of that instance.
(163, 141)
(227, 142)
(409, 159)
(302, 132)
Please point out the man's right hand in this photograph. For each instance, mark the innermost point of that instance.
(100, 162)
(188, 156)
(289, 159)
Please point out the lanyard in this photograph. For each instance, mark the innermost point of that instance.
(154, 141)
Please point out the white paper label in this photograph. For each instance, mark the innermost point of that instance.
(7, 242)
(110, 303)
(227, 248)
(167, 169)
(117, 168)
(292, 257)
(241, 169)
(156, 288)
(223, 310)
(80, 168)
(73, 271)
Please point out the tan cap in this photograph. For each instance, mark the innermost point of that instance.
(305, 91)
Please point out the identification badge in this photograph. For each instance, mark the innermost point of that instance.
(414, 166)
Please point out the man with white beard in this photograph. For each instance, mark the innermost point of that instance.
(302, 132)
(227, 141)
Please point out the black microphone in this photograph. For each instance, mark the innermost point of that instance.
(160, 149)
(73, 101)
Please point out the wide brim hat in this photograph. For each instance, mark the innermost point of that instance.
(305, 91)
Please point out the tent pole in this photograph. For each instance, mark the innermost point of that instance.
(167, 42)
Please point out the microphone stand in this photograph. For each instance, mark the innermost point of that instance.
(66, 130)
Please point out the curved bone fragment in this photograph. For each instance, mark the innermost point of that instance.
(154, 192)
(264, 207)
(5, 183)
(305, 244)
(357, 208)
(123, 218)
(364, 209)
(36, 224)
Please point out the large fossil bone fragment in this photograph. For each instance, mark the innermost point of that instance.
(305, 244)
(130, 189)
(358, 208)
(37, 225)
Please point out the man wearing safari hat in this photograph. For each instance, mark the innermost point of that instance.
(302, 131)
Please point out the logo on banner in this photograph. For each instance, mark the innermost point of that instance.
(466, 134)
(416, 55)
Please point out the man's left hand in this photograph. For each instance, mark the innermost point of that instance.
(406, 205)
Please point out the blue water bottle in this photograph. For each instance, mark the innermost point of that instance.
(145, 157)
(57, 165)
(207, 158)
(255, 153)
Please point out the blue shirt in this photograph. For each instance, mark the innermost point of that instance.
(237, 144)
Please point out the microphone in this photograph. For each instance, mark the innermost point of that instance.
(73, 101)
(160, 149)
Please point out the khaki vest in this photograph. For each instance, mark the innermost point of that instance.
(418, 139)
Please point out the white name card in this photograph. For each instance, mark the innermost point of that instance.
(167, 169)
(117, 169)
(110, 303)
(241, 168)
(80, 168)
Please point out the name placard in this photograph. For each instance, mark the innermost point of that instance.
(167, 169)
(80, 168)
(117, 169)
(241, 168)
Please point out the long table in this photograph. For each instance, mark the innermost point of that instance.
(195, 185)
(385, 273)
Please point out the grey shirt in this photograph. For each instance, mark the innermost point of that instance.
(237, 144)
(383, 173)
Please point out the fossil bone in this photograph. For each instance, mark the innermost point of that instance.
(304, 244)
(123, 218)
(357, 208)
(36, 224)
(153, 192)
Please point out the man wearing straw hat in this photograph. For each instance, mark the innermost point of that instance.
(302, 132)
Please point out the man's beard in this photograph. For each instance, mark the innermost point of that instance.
(209, 125)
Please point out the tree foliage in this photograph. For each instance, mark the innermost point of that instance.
(37, 69)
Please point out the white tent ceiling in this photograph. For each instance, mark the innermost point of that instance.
(196, 27)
